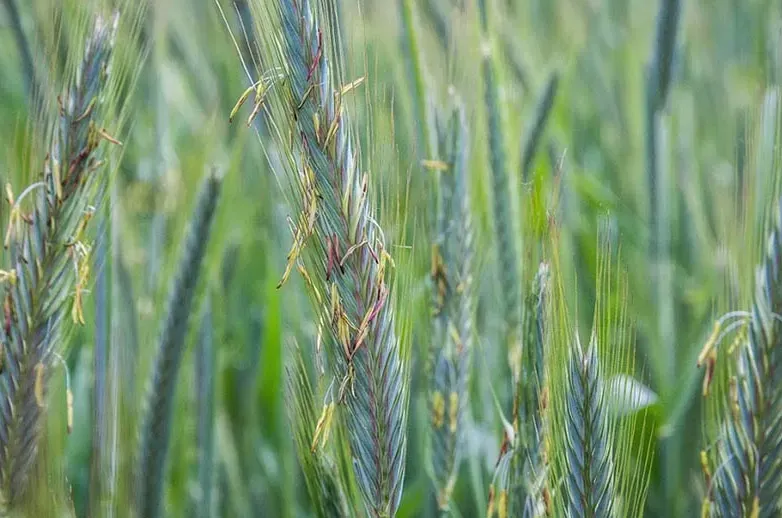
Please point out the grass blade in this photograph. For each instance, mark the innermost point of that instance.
(25, 50)
(535, 133)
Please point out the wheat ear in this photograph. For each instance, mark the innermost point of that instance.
(527, 480)
(589, 483)
(748, 477)
(598, 441)
(49, 262)
(535, 133)
(156, 428)
(504, 228)
(519, 481)
(451, 346)
(347, 262)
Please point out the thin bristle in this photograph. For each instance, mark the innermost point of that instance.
(44, 253)
(156, 428)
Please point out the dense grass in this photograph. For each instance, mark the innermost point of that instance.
(466, 260)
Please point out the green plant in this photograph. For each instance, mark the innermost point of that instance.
(507, 369)
(156, 428)
(345, 254)
(744, 475)
(50, 260)
(452, 340)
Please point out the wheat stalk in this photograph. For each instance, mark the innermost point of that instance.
(658, 80)
(101, 394)
(49, 261)
(347, 262)
(504, 228)
(519, 482)
(156, 428)
(451, 346)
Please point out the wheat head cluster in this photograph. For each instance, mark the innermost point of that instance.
(390, 259)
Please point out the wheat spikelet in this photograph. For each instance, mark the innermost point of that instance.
(311, 436)
(589, 484)
(451, 346)
(49, 261)
(156, 427)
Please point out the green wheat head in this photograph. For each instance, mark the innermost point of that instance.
(339, 247)
(599, 435)
(527, 489)
(49, 258)
(156, 426)
(506, 235)
(451, 346)
(519, 481)
(744, 475)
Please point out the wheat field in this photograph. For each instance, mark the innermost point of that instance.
(391, 258)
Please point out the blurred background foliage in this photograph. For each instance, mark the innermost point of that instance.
(710, 146)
